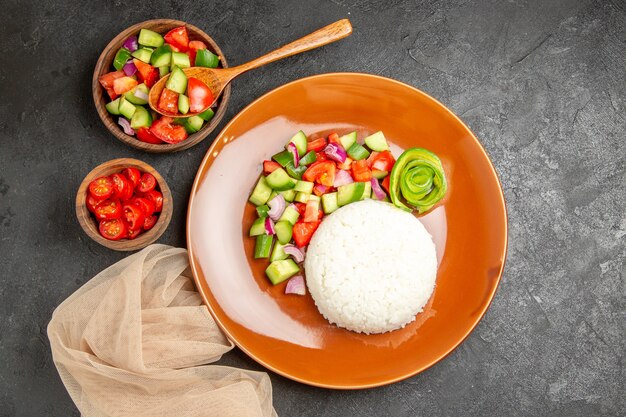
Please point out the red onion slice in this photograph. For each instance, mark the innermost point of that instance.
(129, 68)
(297, 254)
(335, 152)
(126, 126)
(131, 44)
(342, 177)
(378, 191)
(140, 94)
(296, 285)
(277, 207)
(269, 226)
(291, 147)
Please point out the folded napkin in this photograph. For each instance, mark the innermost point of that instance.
(135, 341)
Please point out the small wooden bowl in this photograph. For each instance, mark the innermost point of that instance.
(89, 223)
(105, 65)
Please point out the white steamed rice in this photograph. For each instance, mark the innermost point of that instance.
(371, 267)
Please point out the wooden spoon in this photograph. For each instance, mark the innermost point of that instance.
(218, 78)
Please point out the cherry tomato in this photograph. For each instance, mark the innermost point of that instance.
(107, 80)
(114, 229)
(108, 210)
(124, 84)
(133, 175)
(101, 188)
(149, 222)
(147, 182)
(122, 186)
(92, 202)
(360, 171)
(321, 172)
(147, 206)
(200, 95)
(134, 216)
(270, 166)
(157, 198)
(145, 135)
(178, 38)
(316, 145)
(303, 232)
(384, 161)
(131, 234)
(168, 101)
(165, 130)
(194, 47)
(146, 73)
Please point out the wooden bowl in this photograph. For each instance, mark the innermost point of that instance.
(89, 223)
(105, 65)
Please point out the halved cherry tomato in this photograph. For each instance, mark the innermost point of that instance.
(360, 171)
(168, 101)
(146, 73)
(133, 175)
(134, 216)
(101, 188)
(194, 47)
(124, 84)
(131, 234)
(114, 229)
(165, 130)
(147, 206)
(200, 95)
(270, 166)
(321, 172)
(384, 161)
(157, 198)
(316, 145)
(107, 80)
(145, 135)
(92, 202)
(385, 183)
(122, 186)
(146, 183)
(178, 38)
(149, 222)
(303, 232)
(108, 210)
(334, 138)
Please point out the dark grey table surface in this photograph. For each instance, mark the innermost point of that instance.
(541, 83)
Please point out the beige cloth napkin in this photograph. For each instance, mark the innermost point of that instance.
(135, 341)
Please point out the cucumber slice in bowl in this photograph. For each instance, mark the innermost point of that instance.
(141, 118)
(299, 139)
(279, 180)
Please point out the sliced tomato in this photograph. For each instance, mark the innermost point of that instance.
(124, 84)
(301, 207)
(371, 158)
(384, 161)
(360, 171)
(194, 47)
(316, 145)
(385, 184)
(133, 215)
(131, 234)
(145, 135)
(101, 188)
(312, 212)
(346, 165)
(146, 183)
(147, 206)
(200, 95)
(178, 38)
(165, 130)
(92, 202)
(133, 175)
(114, 229)
(157, 198)
(108, 210)
(270, 166)
(150, 222)
(321, 156)
(168, 101)
(321, 172)
(334, 138)
(146, 73)
(303, 232)
(107, 80)
(122, 186)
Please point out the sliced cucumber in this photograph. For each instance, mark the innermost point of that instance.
(299, 139)
(193, 124)
(278, 253)
(177, 81)
(279, 271)
(183, 104)
(141, 118)
(180, 60)
(304, 187)
(313, 197)
(260, 193)
(263, 246)
(150, 38)
(291, 215)
(206, 58)
(350, 193)
(302, 197)
(164, 71)
(295, 172)
(283, 158)
(132, 97)
(377, 142)
(289, 195)
(263, 210)
(283, 231)
(357, 152)
(348, 140)
(126, 108)
(367, 191)
(207, 115)
(113, 107)
(143, 54)
(279, 180)
(308, 158)
(329, 202)
(161, 57)
(258, 227)
(379, 174)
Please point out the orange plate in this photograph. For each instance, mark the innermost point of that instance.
(286, 333)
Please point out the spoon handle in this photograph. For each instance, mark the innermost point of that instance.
(328, 34)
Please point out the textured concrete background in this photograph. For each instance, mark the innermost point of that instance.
(541, 83)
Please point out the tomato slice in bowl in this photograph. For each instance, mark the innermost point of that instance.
(167, 131)
(114, 229)
(133, 175)
(134, 216)
(178, 38)
(147, 206)
(157, 198)
(146, 183)
(108, 210)
(168, 101)
(200, 95)
(150, 222)
(122, 186)
(145, 135)
(92, 202)
(101, 188)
